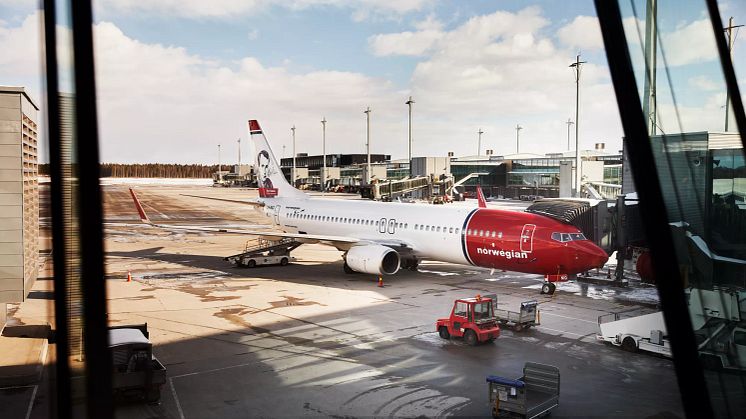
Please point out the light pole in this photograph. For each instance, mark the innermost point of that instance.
(292, 174)
(409, 103)
(578, 171)
(518, 129)
(220, 175)
(367, 143)
(239, 155)
(479, 141)
(729, 30)
(323, 151)
(569, 123)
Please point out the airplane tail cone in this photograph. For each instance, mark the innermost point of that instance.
(129, 276)
(380, 282)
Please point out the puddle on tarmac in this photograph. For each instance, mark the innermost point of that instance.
(293, 301)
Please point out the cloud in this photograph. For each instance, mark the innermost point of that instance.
(163, 103)
(20, 47)
(705, 83)
(405, 43)
(361, 9)
(690, 43)
(583, 33)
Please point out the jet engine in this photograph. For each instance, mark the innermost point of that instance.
(373, 259)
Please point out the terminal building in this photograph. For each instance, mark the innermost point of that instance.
(19, 196)
(509, 176)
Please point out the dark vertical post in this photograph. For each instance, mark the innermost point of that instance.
(96, 339)
(61, 403)
(691, 380)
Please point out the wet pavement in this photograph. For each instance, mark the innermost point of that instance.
(309, 340)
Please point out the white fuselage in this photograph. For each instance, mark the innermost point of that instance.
(433, 232)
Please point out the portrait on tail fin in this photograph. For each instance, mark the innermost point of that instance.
(264, 165)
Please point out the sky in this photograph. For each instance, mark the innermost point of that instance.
(177, 78)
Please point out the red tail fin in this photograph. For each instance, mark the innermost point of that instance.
(480, 198)
(143, 217)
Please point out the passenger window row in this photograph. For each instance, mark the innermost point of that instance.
(343, 220)
(437, 229)
(484, 233)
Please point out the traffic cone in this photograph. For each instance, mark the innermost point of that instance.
(380, 282)
(129, 276)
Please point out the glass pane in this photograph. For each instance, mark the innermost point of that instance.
(700, 163)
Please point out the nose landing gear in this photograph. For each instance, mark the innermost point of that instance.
(548, 288)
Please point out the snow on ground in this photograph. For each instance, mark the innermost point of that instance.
(154, 181)
(145, 181)
(640, 293)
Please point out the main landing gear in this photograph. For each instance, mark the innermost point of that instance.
(548, 288)
(347, 269)
(410, 264)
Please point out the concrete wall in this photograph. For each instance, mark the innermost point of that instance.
(426, 166)
(592, 171)
(19, 202)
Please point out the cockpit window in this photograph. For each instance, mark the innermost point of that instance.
(567, 237)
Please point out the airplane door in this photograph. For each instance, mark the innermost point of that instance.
(276, 215)
(527, 238)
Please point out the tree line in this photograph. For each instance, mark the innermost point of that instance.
(151, 170)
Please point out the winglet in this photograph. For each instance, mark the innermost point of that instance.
(480, 197)
(143, 217)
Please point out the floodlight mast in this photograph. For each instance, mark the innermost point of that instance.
(578, 172)
(367, 142)
(409, 103)
(479, 141)
(323, 151)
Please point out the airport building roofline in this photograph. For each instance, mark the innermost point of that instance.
(21, 90)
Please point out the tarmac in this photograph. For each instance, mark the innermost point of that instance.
(308, 340)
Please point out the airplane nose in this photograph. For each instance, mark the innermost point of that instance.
(591, 256)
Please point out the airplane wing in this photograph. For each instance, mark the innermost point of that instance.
(235, 201)
(340, 242)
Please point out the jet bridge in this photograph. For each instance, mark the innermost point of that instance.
(591, 216)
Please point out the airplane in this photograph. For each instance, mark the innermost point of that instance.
(381, 238)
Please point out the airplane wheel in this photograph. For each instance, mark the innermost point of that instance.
(347, 269)
(443, 332)
(629, 344)
(283, 261)
(552, 288)
(251, 263)
(545, 288)
(471, 338)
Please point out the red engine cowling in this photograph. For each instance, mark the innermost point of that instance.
(645, 267)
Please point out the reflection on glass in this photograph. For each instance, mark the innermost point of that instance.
(702, 174)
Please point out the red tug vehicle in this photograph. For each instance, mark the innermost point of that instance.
(471, 318)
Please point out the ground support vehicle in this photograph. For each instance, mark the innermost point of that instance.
(471, 318)
(136, 372)
(533, 395)
(525, 318)
(719, 317)
(646, 332)
(266, 252)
